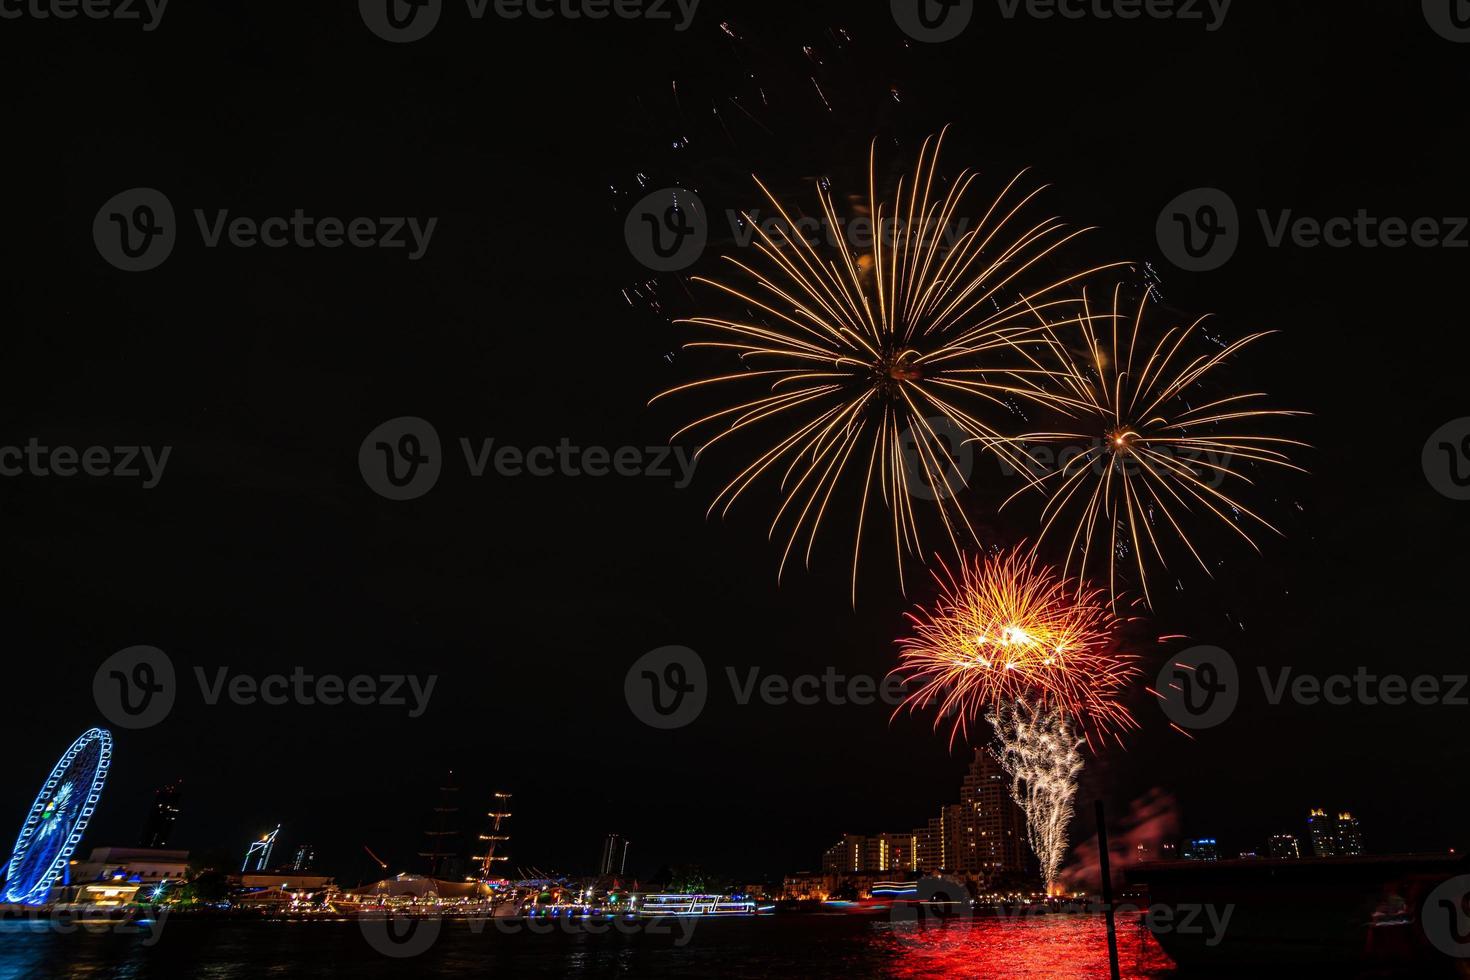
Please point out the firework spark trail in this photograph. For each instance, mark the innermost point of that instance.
(1150, 452)
(1008, 629)
(859, 354)
(1039, 751)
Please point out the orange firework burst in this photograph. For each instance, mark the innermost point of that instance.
(1148, 457)
(863, 358)
(1007, 630)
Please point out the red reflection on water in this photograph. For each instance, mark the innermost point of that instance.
(1073, 946)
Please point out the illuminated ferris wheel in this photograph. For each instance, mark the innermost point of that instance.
(53, 828)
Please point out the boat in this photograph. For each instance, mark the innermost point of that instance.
(653, 906)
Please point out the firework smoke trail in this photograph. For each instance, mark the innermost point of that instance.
(862, 358)
(1154, 458)
(1008, 628)
(1039, 751)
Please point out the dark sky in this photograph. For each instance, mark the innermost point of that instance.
(263, 549)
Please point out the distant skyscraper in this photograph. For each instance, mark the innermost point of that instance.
(990, 827)
(305, 858)
(259, 852)
(161, 818)
(1284, 846)
(1334, 835)
(614, 855)
(859, 853)
(1201, 849)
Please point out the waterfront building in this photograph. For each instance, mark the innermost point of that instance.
(989, 828)
(1334, 835)
(1201, 849)
(859, 853)
(113, 876)
(982, 836)
(1284, 846)
(258, 854)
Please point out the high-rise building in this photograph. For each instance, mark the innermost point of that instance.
(1284, 846)
(990, 829)
(258, 853)
(1201, 849)
(1334, 835)
(931, 847)
(983, 835)
(305, 858)
(614, 855)
(861, 853)
(161, 818)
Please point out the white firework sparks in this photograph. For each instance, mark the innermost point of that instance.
(1039, 750)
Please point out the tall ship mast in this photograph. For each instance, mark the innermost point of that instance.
(495, 838)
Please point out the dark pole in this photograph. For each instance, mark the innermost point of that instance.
(1107, 888)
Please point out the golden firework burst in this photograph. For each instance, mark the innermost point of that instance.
(864, 358)
(1156, 443)
(1010, 629)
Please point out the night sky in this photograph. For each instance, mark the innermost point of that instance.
(263, 549)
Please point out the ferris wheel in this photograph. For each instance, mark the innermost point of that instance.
(53, 828)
